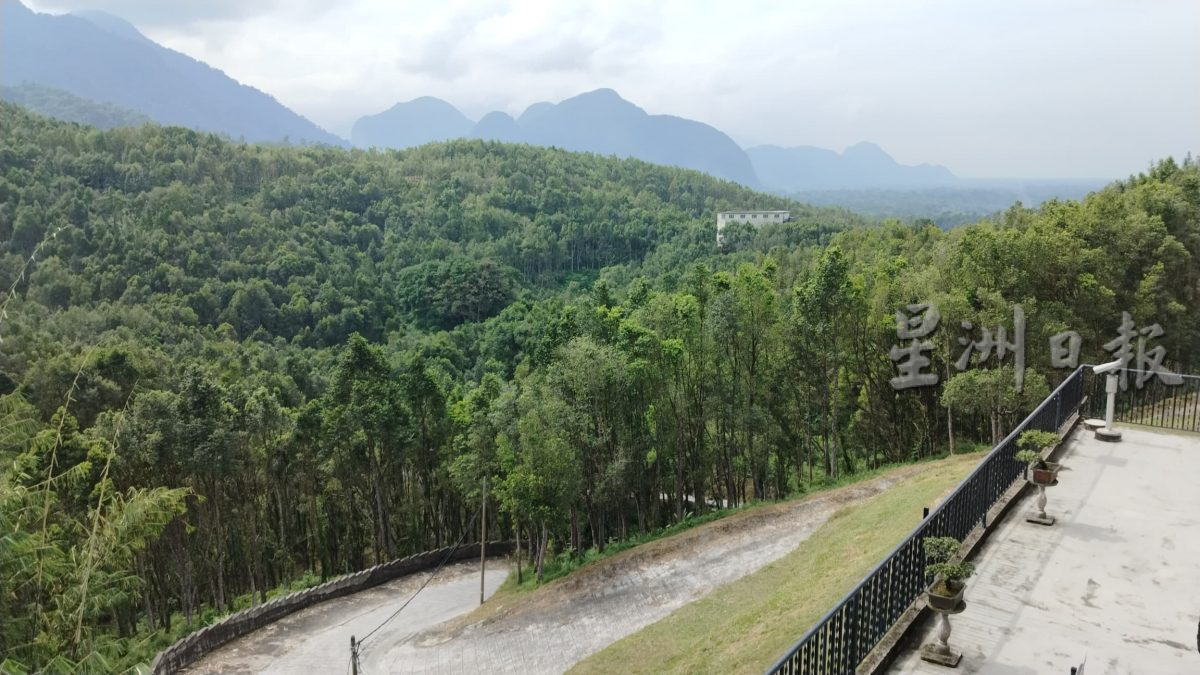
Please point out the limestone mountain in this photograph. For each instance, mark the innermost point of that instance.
(498, 126)
(102, 58)
(416, 122)
(864, 165)
(604, 123)
(600, 122)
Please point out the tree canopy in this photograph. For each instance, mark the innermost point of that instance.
(225, 367)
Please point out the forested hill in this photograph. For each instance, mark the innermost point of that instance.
(314, 244)
(64, 105)
(225, 368)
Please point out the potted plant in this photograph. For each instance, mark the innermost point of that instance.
(1039, 471)
(946, 591)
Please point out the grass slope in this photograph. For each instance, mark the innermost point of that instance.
(744, 626)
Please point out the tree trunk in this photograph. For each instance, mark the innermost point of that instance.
(576, 538)
(949, 410)
(147, 607)
(220, 551)
(679, 486)
(543, 540)
(833, 421)
(517, 530)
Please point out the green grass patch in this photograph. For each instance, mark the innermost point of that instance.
(743, 627)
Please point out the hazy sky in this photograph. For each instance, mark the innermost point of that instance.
(1031, 88)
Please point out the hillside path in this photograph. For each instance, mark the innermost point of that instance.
(317, 639)
(544, 631)
(553, 628)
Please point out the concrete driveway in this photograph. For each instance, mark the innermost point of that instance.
(317, 639)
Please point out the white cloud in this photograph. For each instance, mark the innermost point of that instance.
(176, 13)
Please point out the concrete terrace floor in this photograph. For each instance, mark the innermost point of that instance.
(1116, 580)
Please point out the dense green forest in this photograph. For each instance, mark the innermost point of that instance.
(225, 367)
(64, 105)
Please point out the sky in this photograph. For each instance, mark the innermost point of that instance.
(988, 88)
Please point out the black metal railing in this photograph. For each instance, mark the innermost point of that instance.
(1155, 403)
(844, 636)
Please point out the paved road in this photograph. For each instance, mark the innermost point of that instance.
(564, 622)
(547, 631)
(317, 639)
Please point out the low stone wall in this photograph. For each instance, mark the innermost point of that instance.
(191, 648)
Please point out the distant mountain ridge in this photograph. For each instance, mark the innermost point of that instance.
(103, 58)
(598, 121)
(97, 68)
(602, 122)
(864, 165)
(416, 122)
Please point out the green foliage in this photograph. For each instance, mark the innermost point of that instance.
(1031, 443)
(445, 294)
(993, 393)
(1028, 457)
(939, 561)
(226, 367)
(1036, 440)
(70, 548)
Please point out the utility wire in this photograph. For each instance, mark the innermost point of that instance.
(442, 564)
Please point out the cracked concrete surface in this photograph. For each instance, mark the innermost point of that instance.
(1113, 581)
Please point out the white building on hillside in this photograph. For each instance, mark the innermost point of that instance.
(755, 218)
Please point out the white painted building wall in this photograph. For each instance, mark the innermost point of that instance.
(756, 218)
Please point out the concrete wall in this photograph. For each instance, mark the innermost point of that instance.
(191, 648)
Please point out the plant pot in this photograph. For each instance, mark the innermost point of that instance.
(1044, 475)
(942, 597)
